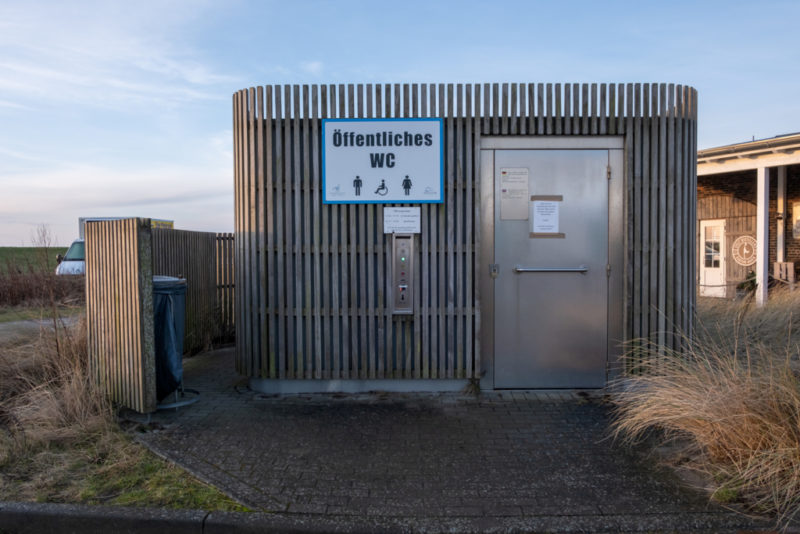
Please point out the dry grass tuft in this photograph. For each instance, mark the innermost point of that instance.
(59, 441)
(46, 395)
(732, 399)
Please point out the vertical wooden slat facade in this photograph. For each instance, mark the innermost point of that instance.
(327, 314)
(119, 311)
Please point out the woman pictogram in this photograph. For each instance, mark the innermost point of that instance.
(407, 185)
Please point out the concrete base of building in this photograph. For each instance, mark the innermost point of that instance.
(289, 386)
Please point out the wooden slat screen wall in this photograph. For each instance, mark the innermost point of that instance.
(311, 278)
(119, 309)
(225, 284)
(191, 255)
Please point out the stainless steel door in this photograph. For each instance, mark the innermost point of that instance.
(551, 290)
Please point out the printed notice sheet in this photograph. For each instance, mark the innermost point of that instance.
(401, 220)
(514, 193)
(544, 213)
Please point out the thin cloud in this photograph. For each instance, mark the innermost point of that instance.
(199, 197)
(12, 105)
(167, 200)
(314, 68)
(103, 55)
(19, 155)
(189, 71)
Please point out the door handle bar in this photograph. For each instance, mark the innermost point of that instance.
(582, 269)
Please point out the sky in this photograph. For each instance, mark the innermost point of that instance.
(120, 108)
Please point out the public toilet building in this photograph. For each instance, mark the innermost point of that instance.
(748, 216)
(425, 236)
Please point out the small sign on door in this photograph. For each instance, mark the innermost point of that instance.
(513, 193)
(544, 215)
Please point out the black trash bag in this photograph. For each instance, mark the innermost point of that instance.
(169, 312)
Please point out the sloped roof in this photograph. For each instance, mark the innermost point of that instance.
(771, 152)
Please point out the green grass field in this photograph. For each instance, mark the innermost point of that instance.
(35, 257)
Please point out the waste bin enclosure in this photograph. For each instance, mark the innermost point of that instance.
(169, 313)
(541, 226)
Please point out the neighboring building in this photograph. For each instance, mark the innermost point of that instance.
(748, 215)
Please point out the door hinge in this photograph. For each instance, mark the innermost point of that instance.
(608, 270)
(608, 172)
(493, 270)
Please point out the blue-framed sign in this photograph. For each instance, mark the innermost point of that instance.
(382, 161)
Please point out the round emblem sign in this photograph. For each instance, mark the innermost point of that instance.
(744, 250)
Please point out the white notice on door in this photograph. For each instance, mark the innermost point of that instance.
(544, 216)
(514, 193)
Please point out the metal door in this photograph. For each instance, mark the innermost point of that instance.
(712, 262)
(552, 264)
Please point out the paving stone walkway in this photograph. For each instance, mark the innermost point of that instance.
(504, 461)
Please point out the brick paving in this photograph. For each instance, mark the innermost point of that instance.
(502, 461)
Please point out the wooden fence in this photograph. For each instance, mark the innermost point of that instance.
(119, 310)
(121, 258)
(312, 278)
(191, 255)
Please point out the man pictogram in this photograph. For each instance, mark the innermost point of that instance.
(357, 183)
